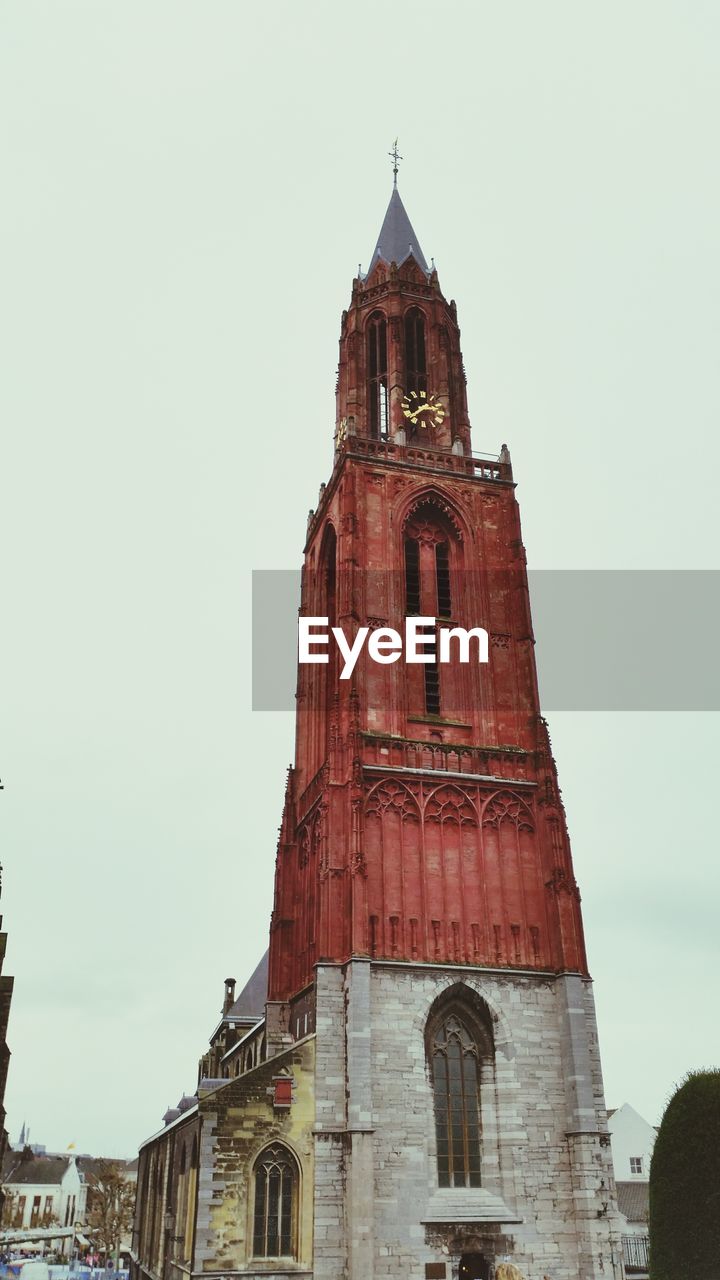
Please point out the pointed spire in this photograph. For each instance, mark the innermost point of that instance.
(397, 240)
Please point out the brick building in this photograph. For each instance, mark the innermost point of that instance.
(421, 1095)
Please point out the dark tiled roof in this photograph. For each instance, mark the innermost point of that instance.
(94, 1165)
(633, 1200)
(397, 240)
(10, 1160)
(44, 1171)
(250, 1003)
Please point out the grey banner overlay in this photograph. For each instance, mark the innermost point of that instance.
(606, 640)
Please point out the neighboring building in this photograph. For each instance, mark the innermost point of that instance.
(634, 1206)
(42, 1190)
(422, 1093)
(239, 1017)
(632, 1140)
(6, 989)
(46, 1191)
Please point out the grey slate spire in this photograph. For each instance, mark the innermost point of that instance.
(397, 240)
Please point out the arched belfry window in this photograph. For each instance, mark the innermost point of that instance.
(457, 1104)
(276, 1202)
(377, 363)
(415, 357)
(412, 576)
(319, 683)
(428, 581)
(329, 606)
(328, 557)
(428, 587)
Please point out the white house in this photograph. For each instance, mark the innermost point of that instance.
(632, 1140)
(42, 1191)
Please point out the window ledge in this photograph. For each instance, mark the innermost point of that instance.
(439, 720)
(467, 1204)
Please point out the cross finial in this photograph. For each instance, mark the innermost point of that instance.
(395, 157)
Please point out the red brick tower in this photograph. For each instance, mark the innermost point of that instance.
(426, 922)
(423, 818)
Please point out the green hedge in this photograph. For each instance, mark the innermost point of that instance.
(685, 1184)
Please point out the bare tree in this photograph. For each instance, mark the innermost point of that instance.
(10, 1214)
(111, 1201)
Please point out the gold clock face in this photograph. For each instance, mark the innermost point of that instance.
(423, 409)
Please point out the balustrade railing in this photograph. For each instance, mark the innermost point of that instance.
(447, 757)
(481, 466)
(635, 1254)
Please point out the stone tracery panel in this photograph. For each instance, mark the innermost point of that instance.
(450, 804)
(428, 504)
(506, 806)
(392, 795)
(467, 851)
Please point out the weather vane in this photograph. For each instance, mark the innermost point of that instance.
(395, 157)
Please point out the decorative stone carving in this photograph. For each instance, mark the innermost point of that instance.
(432, 499)
(426, 532)
(505, 806)
(561, 882)
(392, 795)
(304, 847)
(450, 804)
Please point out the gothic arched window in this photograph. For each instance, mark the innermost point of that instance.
(455, 1064)
(378, 404)
(276, 1197)
(415, 358)
(328, 608)
(412, 577)
(428, 588)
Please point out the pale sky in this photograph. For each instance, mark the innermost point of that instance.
(187, 191)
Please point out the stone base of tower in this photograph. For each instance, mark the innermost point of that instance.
(546, 1200)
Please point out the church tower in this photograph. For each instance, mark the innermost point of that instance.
(427, 921)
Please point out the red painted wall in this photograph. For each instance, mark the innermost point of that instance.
(436, 838)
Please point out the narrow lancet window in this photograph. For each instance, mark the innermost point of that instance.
(275, 1204)
(412, 577)
(378, 377)
(428, 586)
(432, 689)
(415, 358)
(455, 1072)
(442, 574)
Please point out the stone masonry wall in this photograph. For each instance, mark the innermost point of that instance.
(239, 1120)
(547, 1201)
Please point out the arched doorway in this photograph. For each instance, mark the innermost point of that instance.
(474, 1266)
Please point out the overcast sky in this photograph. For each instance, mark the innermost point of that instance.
(187, 191)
